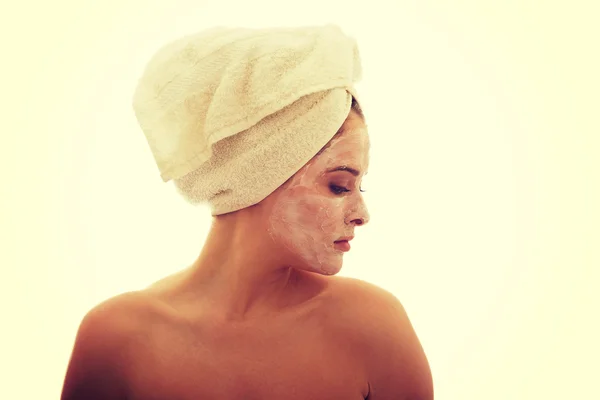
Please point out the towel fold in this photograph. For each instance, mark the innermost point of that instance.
(231, 113)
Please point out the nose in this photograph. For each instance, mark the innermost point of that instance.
(361, 219)
(358, 215)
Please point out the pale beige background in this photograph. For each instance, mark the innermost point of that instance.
(483, 187)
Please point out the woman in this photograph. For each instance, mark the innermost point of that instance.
(259, 314)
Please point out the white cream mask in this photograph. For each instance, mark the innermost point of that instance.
(317, 207)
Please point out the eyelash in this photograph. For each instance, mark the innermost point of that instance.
(339, 190)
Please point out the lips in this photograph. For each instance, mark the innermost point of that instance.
(342, 245)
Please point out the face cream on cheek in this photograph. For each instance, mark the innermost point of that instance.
(307, 226)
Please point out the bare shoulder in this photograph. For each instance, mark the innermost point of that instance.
(358, 287)
(380, 330)
(367, 299)
(97, 367)
(364, 310)
(119, 314)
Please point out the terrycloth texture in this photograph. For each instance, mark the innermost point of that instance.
(231, 113)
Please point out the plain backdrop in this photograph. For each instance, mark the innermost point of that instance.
(483, 187)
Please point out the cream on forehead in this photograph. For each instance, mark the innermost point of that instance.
(349, 149)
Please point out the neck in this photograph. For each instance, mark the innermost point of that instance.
(240, 273)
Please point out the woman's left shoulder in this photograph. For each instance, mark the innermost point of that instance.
(377, 329)
(364, 294)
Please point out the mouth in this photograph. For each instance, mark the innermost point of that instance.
(343, 244)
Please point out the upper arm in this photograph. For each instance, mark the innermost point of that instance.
(396, 364)
(97, 366)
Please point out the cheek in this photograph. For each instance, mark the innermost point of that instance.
(311, 214)
(321, 217)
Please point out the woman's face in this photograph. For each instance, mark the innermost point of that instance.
(322, 202)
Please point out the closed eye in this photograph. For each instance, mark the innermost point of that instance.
(339, 189)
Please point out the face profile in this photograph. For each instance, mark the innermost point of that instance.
(322, 203)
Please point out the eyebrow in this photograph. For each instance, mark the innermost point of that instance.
(344, 168)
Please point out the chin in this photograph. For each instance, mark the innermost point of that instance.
(322, 263)
(329, 268)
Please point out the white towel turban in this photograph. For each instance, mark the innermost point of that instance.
(230, 114)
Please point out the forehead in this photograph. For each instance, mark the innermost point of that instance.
(352, 145)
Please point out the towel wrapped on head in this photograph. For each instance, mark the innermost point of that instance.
(230, 114)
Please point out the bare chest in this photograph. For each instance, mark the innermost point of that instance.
(285, 360)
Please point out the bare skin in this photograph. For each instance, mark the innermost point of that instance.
(259, 315)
